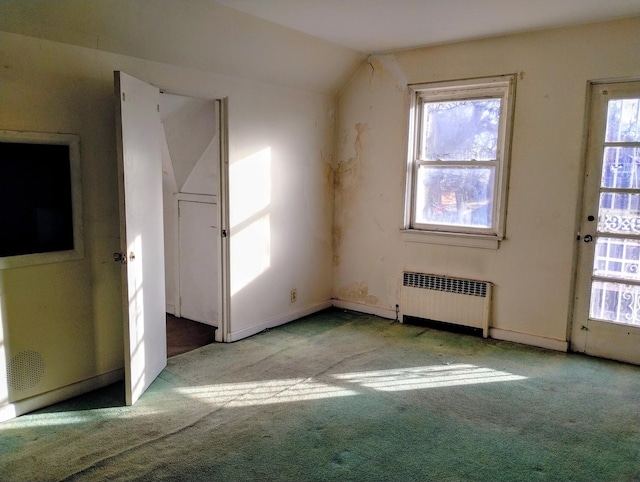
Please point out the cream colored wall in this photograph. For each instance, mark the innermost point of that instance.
(71, 312)
(533, 268)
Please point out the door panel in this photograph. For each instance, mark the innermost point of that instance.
(199, 235)
(141, 232)
(607, 309)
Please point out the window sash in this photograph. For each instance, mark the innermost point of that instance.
(492, 88)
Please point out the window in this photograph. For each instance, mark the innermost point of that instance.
(459, 135)
(40, 199)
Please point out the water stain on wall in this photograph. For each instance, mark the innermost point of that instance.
(357, 292)
(347, 180)
(387, 65)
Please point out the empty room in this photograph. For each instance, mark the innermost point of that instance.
(409, 230)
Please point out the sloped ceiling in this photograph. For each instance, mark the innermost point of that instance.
(375, 26)
(199, 34)
(308, 44)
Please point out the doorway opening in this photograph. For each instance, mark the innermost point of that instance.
(191, 158)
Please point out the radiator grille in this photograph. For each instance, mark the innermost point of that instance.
(449, 285)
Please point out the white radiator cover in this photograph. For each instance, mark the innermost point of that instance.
(450, 300)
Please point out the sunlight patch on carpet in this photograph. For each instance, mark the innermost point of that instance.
(264, 393)
(300, 389)
(418, 378)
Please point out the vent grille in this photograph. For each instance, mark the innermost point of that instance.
(446, 284)
(25, 370)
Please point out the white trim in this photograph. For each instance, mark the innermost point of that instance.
(280, 320)
(171, 309)
(361, 308)
(502, 87)
(15, 409)
(224, 313)
(73, 141)
(527, 339)
(197, 198)
(450, 239)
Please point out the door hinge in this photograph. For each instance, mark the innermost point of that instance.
(123, 98)
(224, 233)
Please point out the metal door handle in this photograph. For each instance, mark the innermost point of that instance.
(588, 238)
(120, 258)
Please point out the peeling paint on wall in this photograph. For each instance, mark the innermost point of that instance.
(347, 179)
(387, 64)
(357, 292)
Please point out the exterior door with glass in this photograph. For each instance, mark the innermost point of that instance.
(607, 304)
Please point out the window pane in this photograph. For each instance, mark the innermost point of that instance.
(620, 167)
(617, 258)
(460, 130)
(455, 196)
(619, 213)
(623, 120)
(615, 302)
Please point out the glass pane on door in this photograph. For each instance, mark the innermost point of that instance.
(617, 253)
(621, 168)
(622, 120)
(616, 302)
(617, 258)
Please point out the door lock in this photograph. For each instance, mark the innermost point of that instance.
(120, 258)
(588, 238)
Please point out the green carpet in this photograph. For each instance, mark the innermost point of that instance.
(341, 396)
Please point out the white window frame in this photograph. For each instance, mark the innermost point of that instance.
(502, 87)
(77, 252)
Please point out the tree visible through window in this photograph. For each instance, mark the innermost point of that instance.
(457, 163)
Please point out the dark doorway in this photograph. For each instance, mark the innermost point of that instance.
(185, 335)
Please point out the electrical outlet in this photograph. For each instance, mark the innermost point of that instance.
(294, 295)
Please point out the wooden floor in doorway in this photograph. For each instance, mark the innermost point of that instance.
(185, 335)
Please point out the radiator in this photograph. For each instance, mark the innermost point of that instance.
(449, 300)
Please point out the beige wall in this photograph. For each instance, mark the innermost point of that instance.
(533, 268)
(71, 312)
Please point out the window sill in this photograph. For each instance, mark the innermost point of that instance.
(450, 239)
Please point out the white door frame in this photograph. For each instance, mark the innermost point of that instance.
(588, 335)
(223, 332)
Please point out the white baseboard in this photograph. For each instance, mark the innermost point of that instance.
(171, 309)
(280, 320)
(496, 333)
(15, 409)
(370, 310)
(526, 339)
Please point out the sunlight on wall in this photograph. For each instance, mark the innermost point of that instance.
(136, 315)
(250, 186)
(299, 389)
(249, 198)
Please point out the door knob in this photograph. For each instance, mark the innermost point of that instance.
(588, 238)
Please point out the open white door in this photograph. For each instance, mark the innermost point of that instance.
(138, 130)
